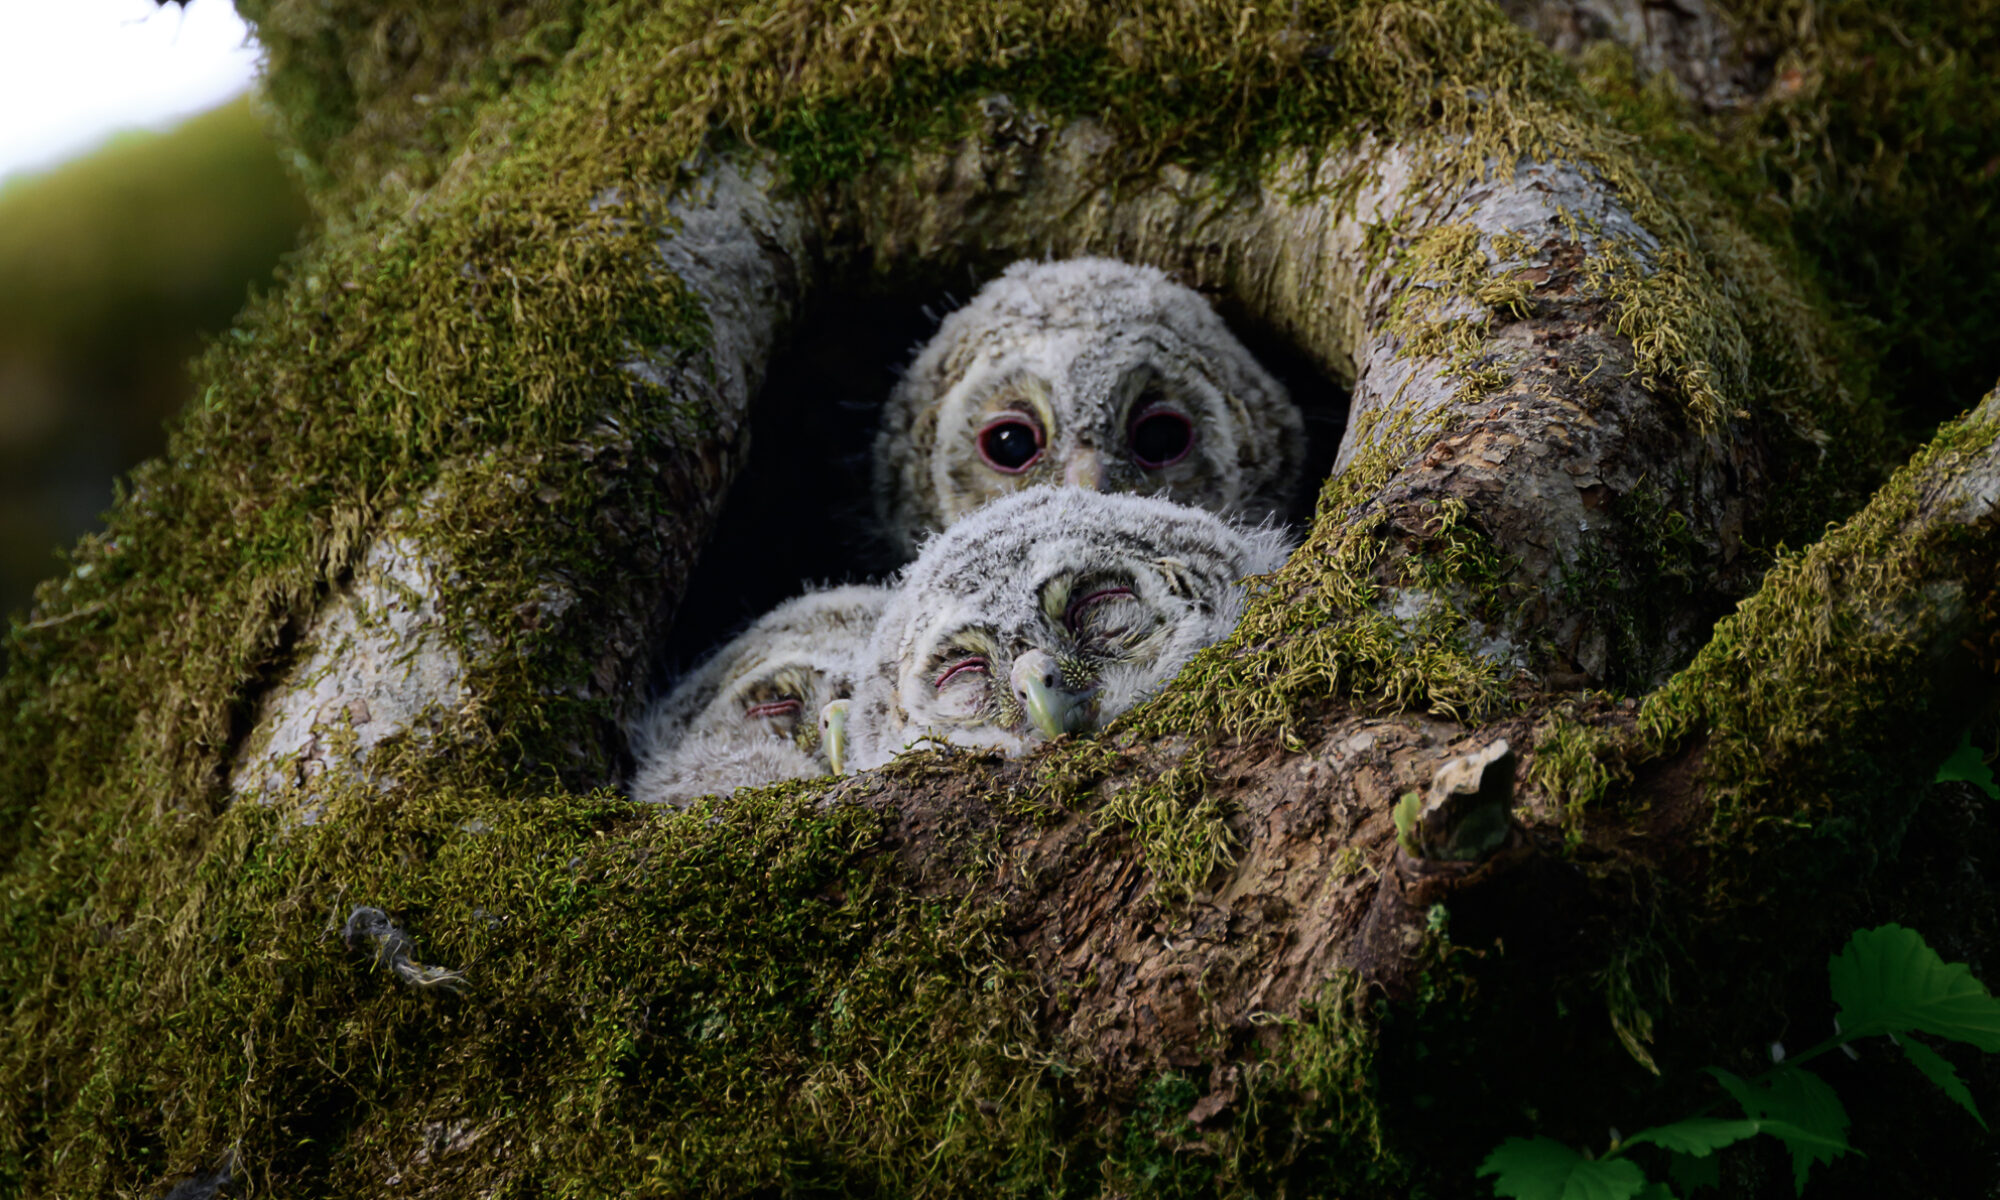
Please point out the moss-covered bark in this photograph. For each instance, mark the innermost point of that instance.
(506, 390)
(1864, 134)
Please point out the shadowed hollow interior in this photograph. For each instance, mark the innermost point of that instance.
(800, 513)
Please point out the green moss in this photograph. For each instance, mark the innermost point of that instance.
(656, 1002)
(1833, 641)
(1160, 1153)
(376, 95)
(1181, 827)
(1437, 271)
(1316, 630)
(1574, 765)
(1868, 163)
(1304, 1116)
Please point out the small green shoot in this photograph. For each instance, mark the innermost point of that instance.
(1407, 810)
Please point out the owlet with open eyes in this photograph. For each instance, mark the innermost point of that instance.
(1087, 373)
(750, 714)
(1047, 612)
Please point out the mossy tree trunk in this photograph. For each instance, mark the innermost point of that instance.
(365, 638)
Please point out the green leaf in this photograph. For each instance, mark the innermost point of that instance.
(1796, 1107)
(1544, 1169)
(1657, 1191)
(1968, 764)
(1689, 1174)
(1938, 1071)
(1700, 1136)
(1888, 980)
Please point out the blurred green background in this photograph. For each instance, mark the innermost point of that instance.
(113, 269)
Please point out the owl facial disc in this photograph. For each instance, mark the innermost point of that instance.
(1047, 612)
(751, 713)
(1084, 373)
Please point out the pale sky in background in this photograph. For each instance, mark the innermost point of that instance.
(73, 72)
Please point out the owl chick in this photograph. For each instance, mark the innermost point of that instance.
(1087, 373)
(1049, 611)
(750, 713)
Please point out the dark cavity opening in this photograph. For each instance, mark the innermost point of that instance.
(802, 512)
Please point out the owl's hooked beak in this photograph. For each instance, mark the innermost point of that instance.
(833, 734)
(1054, 708)
(1085, 469)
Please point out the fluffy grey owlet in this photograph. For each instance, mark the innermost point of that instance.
(750, 713)
(1048, 611)
(1087, 373)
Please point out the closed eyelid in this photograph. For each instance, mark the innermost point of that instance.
(971, 664)
(1074, 612)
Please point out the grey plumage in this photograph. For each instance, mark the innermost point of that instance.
(749, 714)
(1050, 610)
(1106, 376)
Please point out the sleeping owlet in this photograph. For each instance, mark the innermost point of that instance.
(750, 713)
(1089, 373)
(1049, 611)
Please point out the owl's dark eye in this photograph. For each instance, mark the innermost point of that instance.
(1161, 437)
(1010, 442)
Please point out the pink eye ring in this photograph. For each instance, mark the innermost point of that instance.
(1081, 604)
(773, 708)
(1010, 443)
(976, 664)
(1160, 437)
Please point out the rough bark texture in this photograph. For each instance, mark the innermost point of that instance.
(1690, 41)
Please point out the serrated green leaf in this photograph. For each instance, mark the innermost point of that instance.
(1938, 1071)
(1700, 1136)
(1690, 1174)
(1744, 1092)
(1545, 1169)
(1887, 980)
(1968, 764)
(1797, 1107)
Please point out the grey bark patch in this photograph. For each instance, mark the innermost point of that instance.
(739, 250)
(1689, 41)
(378, 662)
(1541, 205)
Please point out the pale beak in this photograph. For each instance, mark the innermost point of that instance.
(1054, 708)
(1085, 469)
(833, 734)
